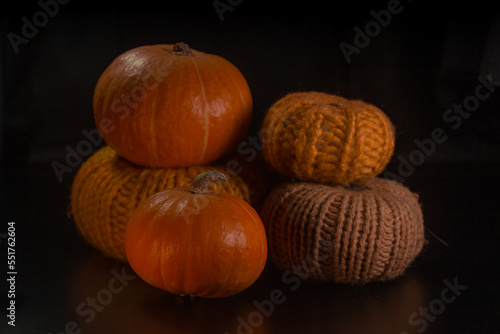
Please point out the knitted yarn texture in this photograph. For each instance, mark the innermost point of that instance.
(344, 234)
(108, 188)
(324, 138)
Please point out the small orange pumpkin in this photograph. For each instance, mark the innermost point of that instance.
(172, 106)
(326, 138)
(194, 242)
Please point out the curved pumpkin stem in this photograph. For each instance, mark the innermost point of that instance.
(201, 182)
(182, 49)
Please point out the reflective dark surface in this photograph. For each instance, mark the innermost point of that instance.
(452, 287)
(425, 62)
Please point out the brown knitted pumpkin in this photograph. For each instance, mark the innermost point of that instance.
(325, 138)
(352, 234)
(107, 188)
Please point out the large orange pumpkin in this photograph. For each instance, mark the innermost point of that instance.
(198, 243)
(172, 106)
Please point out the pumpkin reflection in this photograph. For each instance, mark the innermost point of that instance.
(139, 308)
(332, 308)
(376, 308)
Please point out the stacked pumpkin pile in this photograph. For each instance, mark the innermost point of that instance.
(167, 113)
(337, 221)
(158, 196)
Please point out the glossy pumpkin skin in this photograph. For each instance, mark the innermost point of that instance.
(166, 106)
(207, 245)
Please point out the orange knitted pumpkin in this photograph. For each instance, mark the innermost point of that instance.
(197, 242)
(107, 188)
(325, 138)
(172, 106)
(353, 234)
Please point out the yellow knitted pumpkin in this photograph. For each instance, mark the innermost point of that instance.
(325, 138)
(107, 188)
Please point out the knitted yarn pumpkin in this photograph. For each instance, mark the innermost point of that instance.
(107, 188)
(325, 138)
(351, 235)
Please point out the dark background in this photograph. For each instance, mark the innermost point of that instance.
(428, 58)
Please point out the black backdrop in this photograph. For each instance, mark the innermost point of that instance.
(426, 58)
(430, 57)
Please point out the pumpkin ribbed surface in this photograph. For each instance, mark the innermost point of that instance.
(108, 188)
(344, 234)
(325, 138)
(169, 105)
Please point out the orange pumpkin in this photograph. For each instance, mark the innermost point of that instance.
(172, 106)
(193, 242)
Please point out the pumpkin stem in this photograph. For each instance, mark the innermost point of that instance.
(201, 182)
(182, 49)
